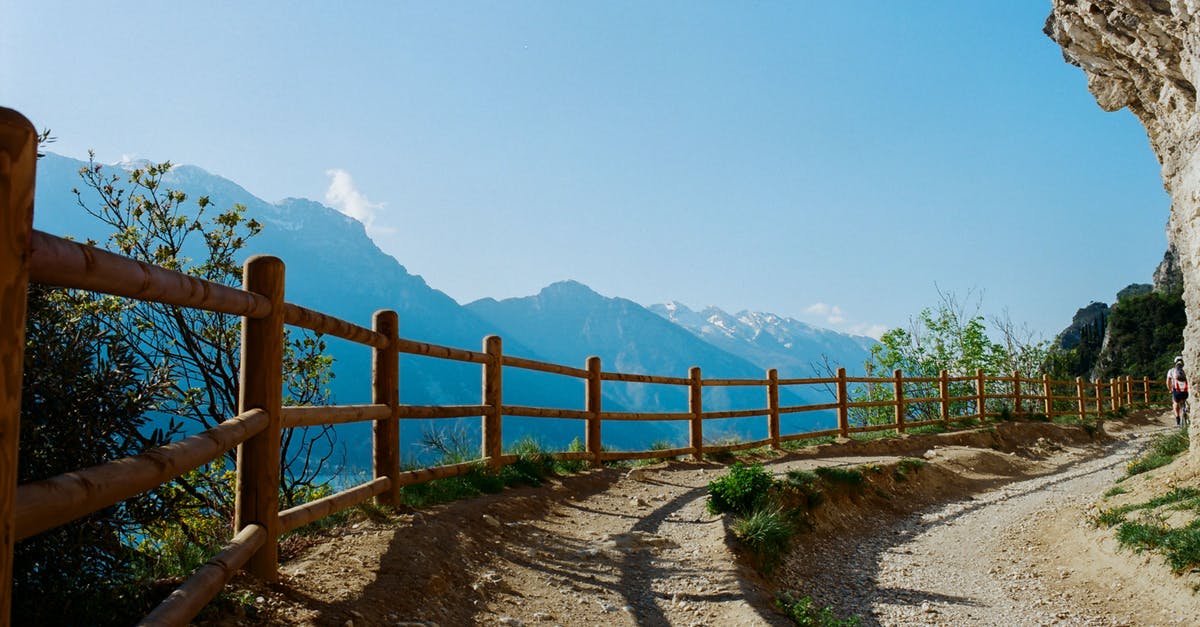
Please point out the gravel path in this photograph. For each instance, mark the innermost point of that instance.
(982, 560)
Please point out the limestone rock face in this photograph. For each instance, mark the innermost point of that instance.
(1168, 277)
(1145, 55)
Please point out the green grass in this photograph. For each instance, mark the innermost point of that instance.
(804, 612)
(793, 445)
(767, 532)
(1115, 490)
(906, 466)
(928, 429)
(532, 466)
(1163, 450)
(842, 475)
(873, 435)
(1180, 546)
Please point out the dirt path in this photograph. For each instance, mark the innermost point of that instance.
(1018, 554)
(620, 547)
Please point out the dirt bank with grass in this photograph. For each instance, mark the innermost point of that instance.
(638, 547)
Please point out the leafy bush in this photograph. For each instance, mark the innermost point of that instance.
(742, 490)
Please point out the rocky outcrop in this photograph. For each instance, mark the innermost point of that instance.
(1168, 276)
(1144, 55)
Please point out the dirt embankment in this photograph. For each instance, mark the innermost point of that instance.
(621, 547)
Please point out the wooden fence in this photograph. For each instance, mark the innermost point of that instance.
(26, 510)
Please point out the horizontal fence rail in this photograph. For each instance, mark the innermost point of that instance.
(35, 507)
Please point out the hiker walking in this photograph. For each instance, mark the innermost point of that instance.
(1177, 383)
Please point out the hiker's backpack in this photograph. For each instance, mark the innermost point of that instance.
(1180, 379)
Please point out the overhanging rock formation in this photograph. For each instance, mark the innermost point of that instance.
(1145, 55)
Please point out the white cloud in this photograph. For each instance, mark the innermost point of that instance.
(834, 316)
(869, 330)
(345, 197)
(817, 309)
(831, 313)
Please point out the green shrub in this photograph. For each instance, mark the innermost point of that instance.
(742, 490)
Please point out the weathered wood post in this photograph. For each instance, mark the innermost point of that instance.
(773, 407)
(1047, 396)
(385, 390)
(493, 368)
(981, 394)
(592, 404)
(1146, 390)
(18, 164)
(843, 403)
(944, 391)
(1128, 389)
(1114, 394)
(898, 392)
(1081, 399)
(257, 499)
(696, 409)
(1016, 390)
(1099, 397)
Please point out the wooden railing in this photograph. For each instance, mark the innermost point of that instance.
(26, 510)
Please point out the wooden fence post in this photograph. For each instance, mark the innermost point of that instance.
(1048, 397)
(696, 408)
(1099, 397)
(1082, 400)
(18, 164)
(843, 405)
(1146, 390)
(385, 390)
(1016, 390)
(592, 403)
(944, 391)
(493, 368)
(981, 394)
(1114, 394)
(262, 388)
(1128, 389)
(773, 407)
(898, 392)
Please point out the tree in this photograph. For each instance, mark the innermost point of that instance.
(83, 402)
(952, 336)
(197, 352)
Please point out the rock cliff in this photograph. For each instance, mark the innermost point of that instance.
(1144, 55)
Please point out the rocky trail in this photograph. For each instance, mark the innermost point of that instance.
(989, 531)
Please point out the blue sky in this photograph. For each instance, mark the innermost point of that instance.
(834, 162)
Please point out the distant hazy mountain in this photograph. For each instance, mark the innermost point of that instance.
(567, 322)
(771, 341)
(332, 266)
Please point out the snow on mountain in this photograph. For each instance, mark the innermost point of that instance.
(795, 348)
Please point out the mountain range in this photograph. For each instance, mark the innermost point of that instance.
(333, 266)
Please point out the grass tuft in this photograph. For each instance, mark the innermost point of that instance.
(766, 532)
(805, 612)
